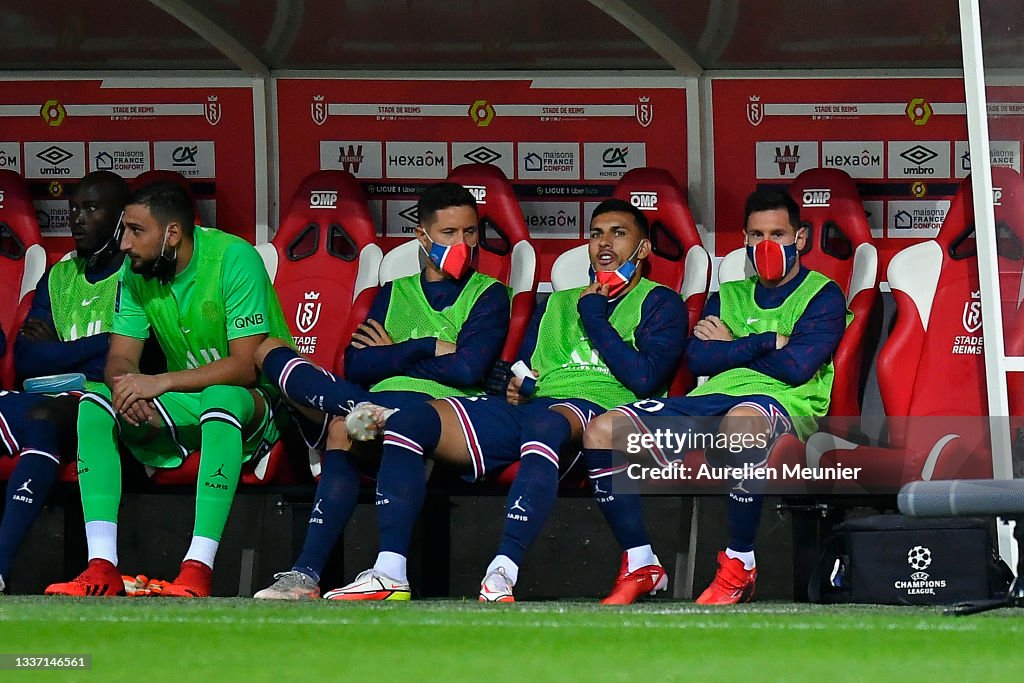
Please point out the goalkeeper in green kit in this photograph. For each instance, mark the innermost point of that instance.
(206, 296)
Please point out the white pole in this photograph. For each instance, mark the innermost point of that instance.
(988, 266)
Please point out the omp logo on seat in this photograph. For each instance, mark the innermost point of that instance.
(645, 201)
(323, 199)
(817, 197)
(479, 193)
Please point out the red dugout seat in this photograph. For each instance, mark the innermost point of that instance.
(678, 258)
(931, 369)
(22, 263)
(505, 251)
(324, 266)
(840, 246)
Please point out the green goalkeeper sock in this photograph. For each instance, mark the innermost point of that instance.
(99, 463)
(225, 410)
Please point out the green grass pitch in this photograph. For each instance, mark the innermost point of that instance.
(160, 639)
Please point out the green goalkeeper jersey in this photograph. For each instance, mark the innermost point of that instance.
(223, 293)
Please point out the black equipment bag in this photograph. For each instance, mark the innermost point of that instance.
(899, 560)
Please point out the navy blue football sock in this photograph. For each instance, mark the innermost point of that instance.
(623, 511)
(411, 433)
(307, 385)
(336, 496)
(535, 488)
(30, 484)
(743, 504)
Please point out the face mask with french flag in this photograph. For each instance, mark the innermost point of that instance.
(453, 259)
(618, 279)
(772, 260)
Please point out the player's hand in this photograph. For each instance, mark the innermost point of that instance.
(131, 387)
(140, 412)
(371, 333)
(780, 341)
(712, 328)
(512, 394)
(35, 329)
(595, 288)
(443, 348)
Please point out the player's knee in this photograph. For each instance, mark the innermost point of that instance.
(337, 434)
(744, 420)
(600, 431)
(549, 428)
(268, 345)
(236, 401)
(42, 411)
(419, 423)
(94, 413)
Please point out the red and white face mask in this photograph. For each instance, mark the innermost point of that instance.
(453, 259)
(772, 260)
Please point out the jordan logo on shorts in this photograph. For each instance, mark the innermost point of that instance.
(24, 487)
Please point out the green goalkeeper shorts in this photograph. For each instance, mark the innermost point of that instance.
(167, 445)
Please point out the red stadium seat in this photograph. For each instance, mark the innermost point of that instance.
(22, 263)
(840, 246)
(931, 369)
(678, 258)
(505, 252)
(324, 265)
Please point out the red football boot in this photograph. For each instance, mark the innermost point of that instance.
(633, 585)
(194, 581)
(100, 579)
(732, 584)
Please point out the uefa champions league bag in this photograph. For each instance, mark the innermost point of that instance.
(899, 560)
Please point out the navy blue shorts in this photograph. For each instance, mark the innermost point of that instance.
(493, 428)
(14, 410)
(653, 413)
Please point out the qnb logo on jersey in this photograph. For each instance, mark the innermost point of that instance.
(645, 201)
(323, 199)
(817, 197)
(307, 313)
(479, 193)
(245, 321)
